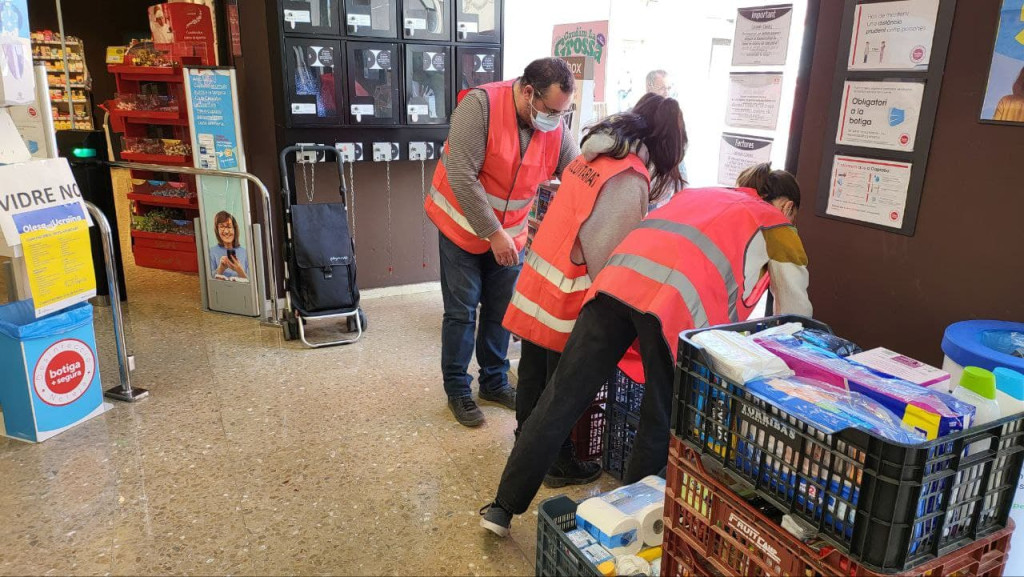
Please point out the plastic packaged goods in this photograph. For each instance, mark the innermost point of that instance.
(829, 342)
(614, 530)
(645, 502)
(978, 387)
(831, 409)
(591, 549)
(740, 358)
(932, 412)
(903, 367)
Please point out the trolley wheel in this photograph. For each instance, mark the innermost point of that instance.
(352, 321)
(291, 328)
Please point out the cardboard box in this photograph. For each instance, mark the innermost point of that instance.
(186, 30)
(17, 83)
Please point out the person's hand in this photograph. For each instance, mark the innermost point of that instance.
(236, 266)
(225, 263)
(504, 248)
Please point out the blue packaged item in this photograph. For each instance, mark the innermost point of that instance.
(829, 342)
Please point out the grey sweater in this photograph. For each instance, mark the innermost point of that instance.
(468, 141)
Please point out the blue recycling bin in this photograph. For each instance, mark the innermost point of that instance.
(50, 380)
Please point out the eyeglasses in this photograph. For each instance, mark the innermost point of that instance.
(225, 226)
(547, 109)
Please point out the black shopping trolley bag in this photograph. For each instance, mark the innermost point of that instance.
(324, 275)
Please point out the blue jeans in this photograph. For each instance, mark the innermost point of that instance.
(467, 281)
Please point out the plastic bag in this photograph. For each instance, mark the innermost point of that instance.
(829, 342)
(1006, 342)
(739, 358)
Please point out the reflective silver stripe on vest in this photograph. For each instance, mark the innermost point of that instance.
(504, 204)
(556, 277)
(660, 273)
(710, 250)
(542, 316)
(442, 202)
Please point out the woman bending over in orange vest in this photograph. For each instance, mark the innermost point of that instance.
(703, 259)
(629, 161)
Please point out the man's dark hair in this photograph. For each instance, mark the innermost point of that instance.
(543, 73)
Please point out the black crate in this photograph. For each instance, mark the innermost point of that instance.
(556, 555)
(887, 505)
(621, 422)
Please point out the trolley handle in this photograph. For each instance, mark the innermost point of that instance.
(296, 149)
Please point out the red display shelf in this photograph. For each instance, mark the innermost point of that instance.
(174, 160)
(154, 200)
(147, 73)
(166, 237)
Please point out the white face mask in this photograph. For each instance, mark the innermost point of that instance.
(544, 121)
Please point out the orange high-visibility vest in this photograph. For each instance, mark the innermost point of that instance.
(684, 263)
(509, 178)
(551, 288)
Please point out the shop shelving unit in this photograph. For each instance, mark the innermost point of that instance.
(47, 50)
(150, 114)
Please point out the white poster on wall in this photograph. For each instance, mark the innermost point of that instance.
(739, 152)
(762, 35)
(880, 114)
(869, 190)
(754, 100)
(893, 35)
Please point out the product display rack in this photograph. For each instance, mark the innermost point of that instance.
(47, 50)
(381, 70)
(150, 114)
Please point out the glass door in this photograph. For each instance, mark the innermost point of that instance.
(372, 18)
(427, 82)
(426, 19)
(372, 83)
(314, 81)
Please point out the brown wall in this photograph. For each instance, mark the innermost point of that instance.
(264, 138)
(967, 258)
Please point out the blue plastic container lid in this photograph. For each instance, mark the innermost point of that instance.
(18, 320)
(962, 343)
(1010, 382)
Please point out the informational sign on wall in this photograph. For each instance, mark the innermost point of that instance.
(880, 114)
(754, 100)
(893, 35)
(869, 190)
(32, 186)
(738, 153)
(762, 35)
(585, 39)
(223, 201)
(58, 256)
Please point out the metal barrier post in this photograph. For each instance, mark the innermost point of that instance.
(273, 317)
(124, 361)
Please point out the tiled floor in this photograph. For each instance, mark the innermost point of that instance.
(258, 456)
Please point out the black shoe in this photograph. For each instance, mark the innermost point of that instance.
(505, 397)
(466, 412)
(570, 470)
(496, 520)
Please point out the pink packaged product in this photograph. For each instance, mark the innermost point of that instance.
(933, 413)
(903, 367)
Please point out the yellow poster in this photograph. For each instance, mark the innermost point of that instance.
(58, 257)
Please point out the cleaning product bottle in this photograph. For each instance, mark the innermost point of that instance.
(1009, 391)
(978, 387)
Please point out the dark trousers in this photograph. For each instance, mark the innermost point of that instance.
(469, 281)
(536, 367)
(605, 329)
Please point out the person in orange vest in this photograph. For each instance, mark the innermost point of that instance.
(505, 139)
(629, 161)
(705, 258)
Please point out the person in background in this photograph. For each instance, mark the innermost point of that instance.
(629, 161)
(657, 82)
(703, 259)
(505, 139)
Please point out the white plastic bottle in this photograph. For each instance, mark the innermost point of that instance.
(1009, 391)
(978, 387)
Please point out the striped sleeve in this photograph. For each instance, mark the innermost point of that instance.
(787, 267)
(467, 144)
(570, 150)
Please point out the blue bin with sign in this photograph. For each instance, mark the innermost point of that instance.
(51, 377)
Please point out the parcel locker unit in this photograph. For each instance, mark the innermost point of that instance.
(427, 84)
(314, 82)
(373, 83)
(476, 65)
(371, 18)
(319, 17)
(478, 20)
(427, 20)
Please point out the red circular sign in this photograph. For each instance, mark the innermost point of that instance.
(64, 372)
(904, 139)
(32, 111)
(917, 54)
(894, 215)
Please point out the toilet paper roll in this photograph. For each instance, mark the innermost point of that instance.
(616, 531)
(645, 502)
